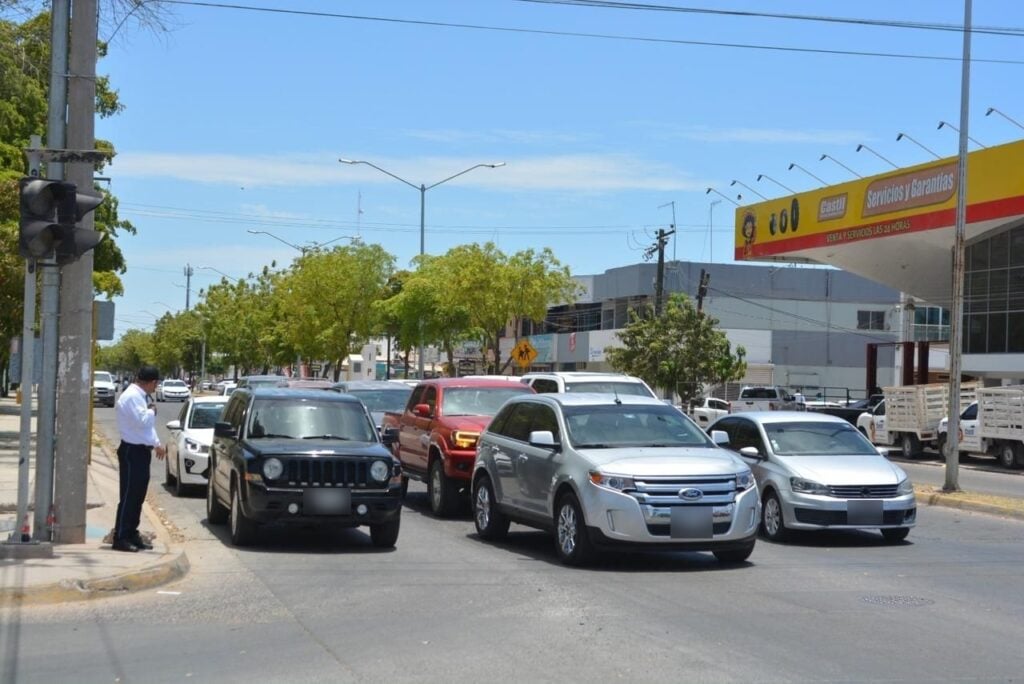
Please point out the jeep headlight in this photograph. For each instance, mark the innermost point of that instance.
(802, 486)
(380, 471)
(272, 468)
(619, 483)
(744, 481)
(905, 487)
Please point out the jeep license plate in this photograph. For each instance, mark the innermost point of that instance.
(864, 512)
(691, 522)
(327, 501)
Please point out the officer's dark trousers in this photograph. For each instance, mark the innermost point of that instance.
(133, 461)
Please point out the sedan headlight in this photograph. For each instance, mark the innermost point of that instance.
(905, 487)
(744, 481)
(802, 486)
(380, 471)
(272, 468)
(619, 483)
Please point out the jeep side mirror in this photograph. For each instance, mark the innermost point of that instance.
(223, 429)
(389, 436)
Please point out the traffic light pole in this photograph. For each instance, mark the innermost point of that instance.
(74, 441)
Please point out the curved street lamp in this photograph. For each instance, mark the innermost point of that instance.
(765, 175)
(865, 147)
(794, 165)
(423, 209)
(710, 190)
(736, 182)
(829, 156)
(901, 136)
(1013, 121)
(305, 249)
(946, 124)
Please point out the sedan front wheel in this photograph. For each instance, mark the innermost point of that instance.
(772, 524)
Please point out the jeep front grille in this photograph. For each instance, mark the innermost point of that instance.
(325, 472)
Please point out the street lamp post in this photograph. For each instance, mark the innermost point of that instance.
(946, 124)
(423, 213)
(862, 146)
(794, 165)
(736, 182)
(304, 249)
(829, 156)
(711, 229)
(1013, 121)
(765, 175)
(710, 190)
(901, 136)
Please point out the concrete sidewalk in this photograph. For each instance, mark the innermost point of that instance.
(78, 571)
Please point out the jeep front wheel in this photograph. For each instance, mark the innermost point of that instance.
(384, 535)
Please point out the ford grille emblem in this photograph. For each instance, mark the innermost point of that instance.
(691, 494)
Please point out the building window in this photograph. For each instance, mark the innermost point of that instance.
(994, 294)
(930, 323)
(871, 320)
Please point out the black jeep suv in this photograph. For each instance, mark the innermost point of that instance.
(304, 456)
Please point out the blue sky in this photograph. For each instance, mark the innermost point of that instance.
(235, 120)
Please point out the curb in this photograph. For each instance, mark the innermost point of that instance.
(964, 502)
(148, 577)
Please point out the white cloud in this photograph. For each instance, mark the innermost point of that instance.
(771, 135)
(495, 136)
(577, 172)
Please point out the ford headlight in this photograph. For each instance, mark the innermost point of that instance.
(272, 468)
(802, 486)
(744, 481)
(905, 487)
(619, 483)
(380, 471)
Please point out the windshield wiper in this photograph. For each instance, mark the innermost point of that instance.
(344, 439)
(593, 445)
(270, 435)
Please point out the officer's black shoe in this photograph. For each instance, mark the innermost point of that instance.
(138, 541)
(124, 545)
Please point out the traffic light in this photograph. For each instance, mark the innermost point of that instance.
(50, 212)
(39, 230)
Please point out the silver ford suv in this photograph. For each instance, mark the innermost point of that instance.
(601, 471)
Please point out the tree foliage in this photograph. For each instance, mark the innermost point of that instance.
(681, 350)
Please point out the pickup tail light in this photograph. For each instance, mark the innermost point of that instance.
(465, 440)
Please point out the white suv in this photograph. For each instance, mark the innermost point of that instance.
(766, 399)
(580, 381)
(103, 388)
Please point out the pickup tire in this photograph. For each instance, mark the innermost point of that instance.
(384, 535)
(444, 495)
(910, 444)
(243, 530)
(491, 524)
(216, 514)
(1006, 454)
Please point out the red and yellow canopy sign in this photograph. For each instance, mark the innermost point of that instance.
(917, 198)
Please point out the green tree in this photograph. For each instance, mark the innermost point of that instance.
(679, 351)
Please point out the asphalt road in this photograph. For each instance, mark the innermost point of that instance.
(314, 606)
(976, 473)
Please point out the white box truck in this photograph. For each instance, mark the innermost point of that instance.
(909, 416)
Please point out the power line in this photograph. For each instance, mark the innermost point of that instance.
(577, 34)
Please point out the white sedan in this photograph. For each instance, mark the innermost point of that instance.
(188, 453)
(172, 390)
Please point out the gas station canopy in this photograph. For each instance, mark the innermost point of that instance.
(895, 228)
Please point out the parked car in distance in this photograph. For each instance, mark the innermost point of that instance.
(850, 412)
(302, 457)
(602, 472)
(818, 472)
(172, 389)
(762, 398)
(706, 410)
(437, 433)
(580, 381)
(104, 390)
(188, 452)
(224, 388)
(307, 383)
(378, 396)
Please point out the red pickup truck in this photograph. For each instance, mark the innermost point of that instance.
(438, 431)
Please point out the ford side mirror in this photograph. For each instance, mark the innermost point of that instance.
(720, 437)
(543, 438)
(223, 429)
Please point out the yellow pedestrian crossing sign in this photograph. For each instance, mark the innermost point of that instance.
(524, 353)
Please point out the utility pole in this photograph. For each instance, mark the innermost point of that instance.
(188, 284)
(673, 226)
(702, 290)
(659, 282)
(74, 369)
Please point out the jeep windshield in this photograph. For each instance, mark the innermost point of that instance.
(622, 425)
(291, 418)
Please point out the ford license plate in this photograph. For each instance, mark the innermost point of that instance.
(865, 512)
(327, 501)
(691, 522)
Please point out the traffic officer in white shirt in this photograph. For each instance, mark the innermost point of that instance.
(136, 423)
